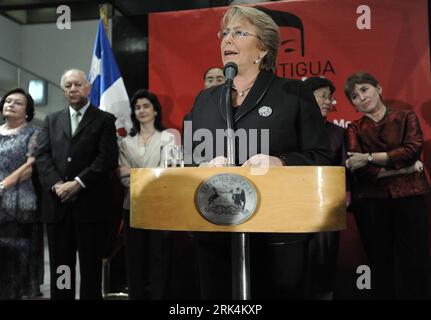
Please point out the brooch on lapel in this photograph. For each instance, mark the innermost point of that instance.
(265, 111)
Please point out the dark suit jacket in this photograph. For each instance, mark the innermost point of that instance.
(91, 154)
(296, 127)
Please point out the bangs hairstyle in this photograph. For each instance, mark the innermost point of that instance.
(29, 106)
(140, 94)
(267, 31)
(358, 78)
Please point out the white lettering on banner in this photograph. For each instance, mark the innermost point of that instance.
(341, 123)
(364, 20)
(64, 280)
(364, 280)
(64, 20)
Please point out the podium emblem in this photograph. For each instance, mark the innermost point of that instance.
(226, 199)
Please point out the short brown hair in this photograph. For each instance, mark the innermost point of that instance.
(29, 106)
(357, 78)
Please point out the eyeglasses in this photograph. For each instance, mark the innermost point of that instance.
(330, 98)
(236, 34)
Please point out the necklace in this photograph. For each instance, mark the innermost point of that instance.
(4, 130)
(246, 85)
(146, 139)
(242, 92)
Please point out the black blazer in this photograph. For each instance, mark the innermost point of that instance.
(336, 139)
(296, 127)
(91, 154)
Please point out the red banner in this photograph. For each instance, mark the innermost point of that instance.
(331, 38)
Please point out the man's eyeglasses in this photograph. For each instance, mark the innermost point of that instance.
(236, 34)
(330, 98)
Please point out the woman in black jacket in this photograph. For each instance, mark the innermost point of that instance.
(283, 126)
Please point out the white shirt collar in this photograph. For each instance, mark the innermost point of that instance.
(82, 110)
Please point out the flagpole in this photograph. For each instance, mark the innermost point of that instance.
(103, 13)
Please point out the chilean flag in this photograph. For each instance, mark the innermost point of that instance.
(107, 87)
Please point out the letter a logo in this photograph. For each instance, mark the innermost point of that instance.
(64, 280)
(364, 280)
(364, 20)
(63, 21)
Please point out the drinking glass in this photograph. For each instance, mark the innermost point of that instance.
(172, 156)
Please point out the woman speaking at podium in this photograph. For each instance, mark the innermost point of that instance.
(260, 100)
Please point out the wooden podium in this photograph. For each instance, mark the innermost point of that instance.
(289, 199)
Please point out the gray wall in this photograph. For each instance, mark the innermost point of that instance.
(10, 49)
(48, 51)
(10, 38)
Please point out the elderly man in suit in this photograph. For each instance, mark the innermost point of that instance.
(77, 152)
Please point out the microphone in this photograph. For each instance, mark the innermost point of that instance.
(230, 70)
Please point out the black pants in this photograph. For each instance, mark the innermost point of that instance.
(323, 254)
(277, 270)
(394, 233)
(148, 261)
(64, 240)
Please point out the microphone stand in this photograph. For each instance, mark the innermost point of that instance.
(229, 124)
(239, 240)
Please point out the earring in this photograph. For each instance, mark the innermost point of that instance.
(257, 60)
(26, 116)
